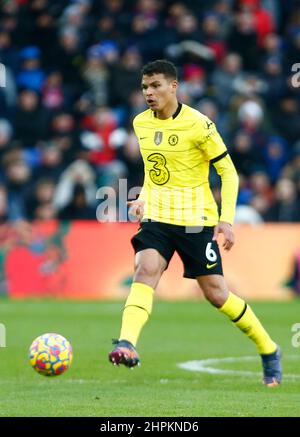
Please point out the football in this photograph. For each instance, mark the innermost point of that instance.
(50, 354)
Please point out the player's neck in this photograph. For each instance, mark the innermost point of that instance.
(168, 111)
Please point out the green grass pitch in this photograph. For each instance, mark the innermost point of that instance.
(177, 332)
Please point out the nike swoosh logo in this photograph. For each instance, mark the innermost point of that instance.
(210, 266)
(143, 138)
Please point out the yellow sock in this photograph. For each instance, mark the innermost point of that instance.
(137, 309)
(244, 318)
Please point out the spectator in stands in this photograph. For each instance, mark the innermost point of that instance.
(18, 181)
(243, 155)
(275, 157)
(95, 73)
(79, 172)
(42, 195)
(51, 162)
(128, 69)
(8, 53)
(78, 208)
(4, 215)
(6, 134)
(287, 117)
(31, 75)
(31, 124)
(53, 94)
(286, 207)
(224, 77)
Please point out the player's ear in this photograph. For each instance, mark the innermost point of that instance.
(174, 85)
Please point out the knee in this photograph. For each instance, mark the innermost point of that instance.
(149, 269)
(215, 293)
(148, 272)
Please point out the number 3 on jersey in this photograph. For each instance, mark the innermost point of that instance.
(159, 174)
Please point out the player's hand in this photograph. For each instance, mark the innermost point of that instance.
(226, 229)
(136, 208)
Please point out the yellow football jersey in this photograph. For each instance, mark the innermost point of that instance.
(177, 153)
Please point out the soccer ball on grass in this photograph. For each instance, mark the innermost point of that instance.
(50, 354)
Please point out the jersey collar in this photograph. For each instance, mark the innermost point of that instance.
(176, 113)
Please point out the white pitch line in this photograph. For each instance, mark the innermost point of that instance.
(207, 366)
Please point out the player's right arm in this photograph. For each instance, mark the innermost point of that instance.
(136, 208)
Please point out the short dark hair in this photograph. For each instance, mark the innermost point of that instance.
(162, 66)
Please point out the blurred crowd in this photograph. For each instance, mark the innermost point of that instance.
(72, 88)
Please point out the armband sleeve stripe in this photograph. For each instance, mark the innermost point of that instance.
(217, 158)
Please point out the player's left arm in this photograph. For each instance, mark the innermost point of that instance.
(229, 191)
(217, 154)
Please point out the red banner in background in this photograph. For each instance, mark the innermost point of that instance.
(91, 260)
